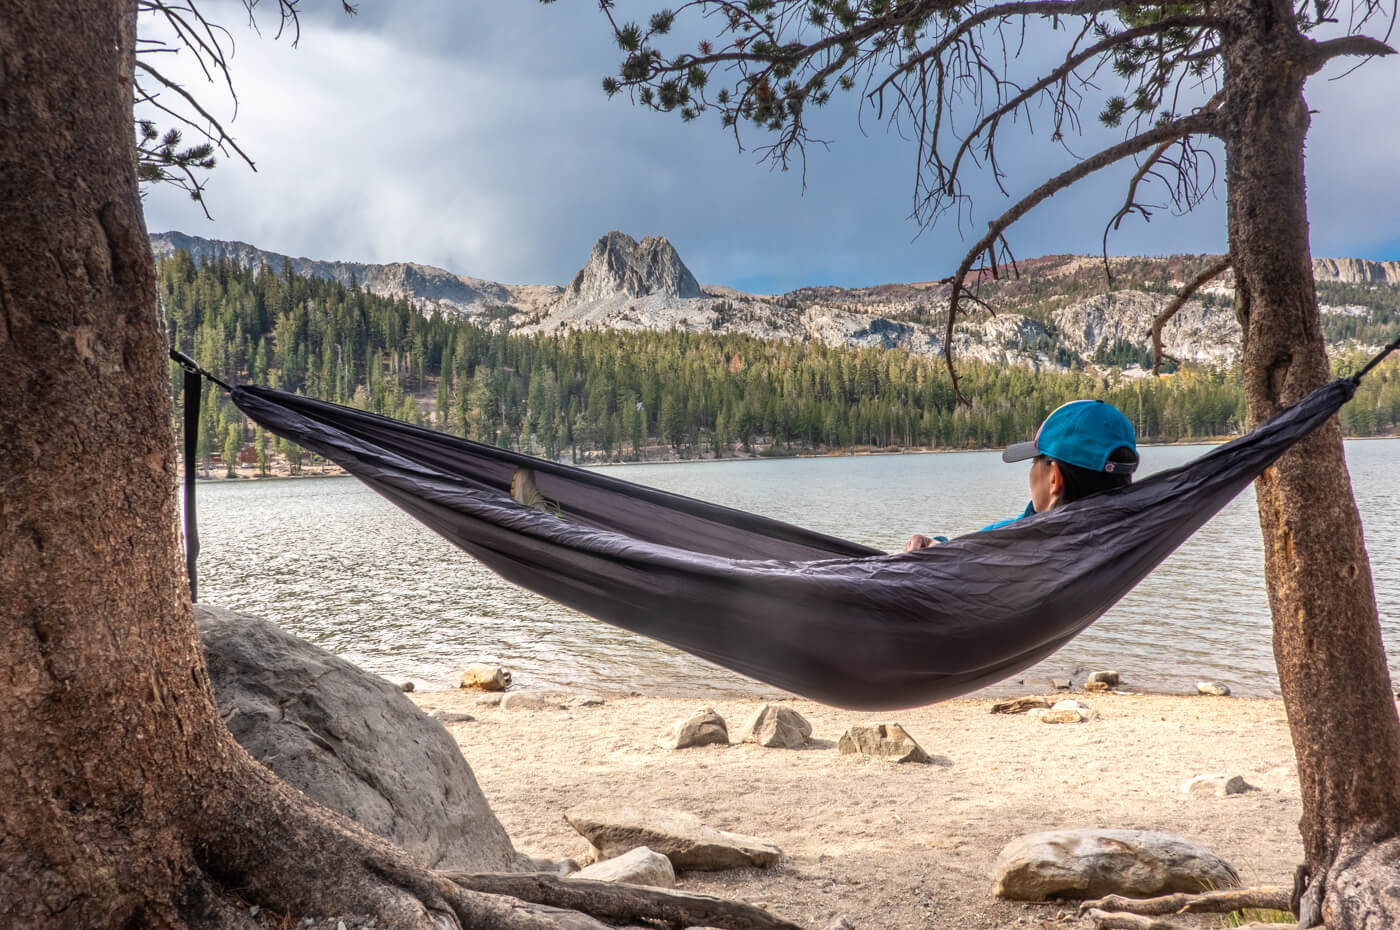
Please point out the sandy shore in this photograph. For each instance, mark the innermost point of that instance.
(898, 846)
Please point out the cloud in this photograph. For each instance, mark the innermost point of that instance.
(476, 137)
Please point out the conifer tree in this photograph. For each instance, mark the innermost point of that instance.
(1181, 76)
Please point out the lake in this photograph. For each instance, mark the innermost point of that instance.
(331, 561)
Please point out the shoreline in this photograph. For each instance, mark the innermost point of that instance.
(339, 472)
(891, 845)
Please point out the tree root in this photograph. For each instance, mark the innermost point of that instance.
(616, 901)
(267, 844)
(1268, 897)
(1362, 887)
(1123, 921)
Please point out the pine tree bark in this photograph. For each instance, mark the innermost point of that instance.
(1327, 642)
(124, 802)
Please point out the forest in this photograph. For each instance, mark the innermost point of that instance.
(596, 396)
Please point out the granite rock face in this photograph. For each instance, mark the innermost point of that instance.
(1091, 863)
(620, 266)
(351, 741)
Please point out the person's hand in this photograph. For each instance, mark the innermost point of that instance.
(919, 541)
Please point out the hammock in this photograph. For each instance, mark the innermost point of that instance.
(818, 616)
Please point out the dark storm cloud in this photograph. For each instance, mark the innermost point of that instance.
(475, 136)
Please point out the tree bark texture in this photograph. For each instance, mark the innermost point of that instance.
(1327, 643)
(124, 802)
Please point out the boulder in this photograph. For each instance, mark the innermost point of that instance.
(532, 700)
(1214, 688)
(776, 727)
(407, 687)
(640, 866)
(1020, 705)
(885, 740)
(1108, 678)
(699, 729)
(485, 678)
(1215, 786)
(351, 741)
(679, 836)
(1091, 863)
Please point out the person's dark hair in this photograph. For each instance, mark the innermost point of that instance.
(1081, 482)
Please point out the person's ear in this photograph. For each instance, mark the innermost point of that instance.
(1056, 480)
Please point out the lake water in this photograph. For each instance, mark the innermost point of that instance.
(333, 562)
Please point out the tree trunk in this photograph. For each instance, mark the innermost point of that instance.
(1327, 643)
(124, 802)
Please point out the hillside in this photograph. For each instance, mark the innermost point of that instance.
(1059, 313)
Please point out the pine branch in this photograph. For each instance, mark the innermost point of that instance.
(1201, 123)
(1171, 310)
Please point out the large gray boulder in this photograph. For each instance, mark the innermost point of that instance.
(1091, 863)
(682, 837)
(351, 741)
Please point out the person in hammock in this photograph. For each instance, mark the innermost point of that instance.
(1083, 447)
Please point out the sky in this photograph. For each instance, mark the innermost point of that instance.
(475, 136)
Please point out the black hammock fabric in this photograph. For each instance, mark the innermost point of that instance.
(818, 616)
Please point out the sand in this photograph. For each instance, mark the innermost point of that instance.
(890, 845)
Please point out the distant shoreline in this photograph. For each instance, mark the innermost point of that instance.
(335, 471)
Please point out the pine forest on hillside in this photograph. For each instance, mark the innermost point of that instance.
(611, 395)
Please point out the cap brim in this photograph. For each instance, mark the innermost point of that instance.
(1020, 452)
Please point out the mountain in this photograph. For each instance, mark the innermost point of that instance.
(1060, 311)
(425, 286)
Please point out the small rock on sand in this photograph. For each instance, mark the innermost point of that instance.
(699, 729)
(640, 866)
(884, 740)
(1020, 705)
(678, 835)
(1215, 786)
(775, 727)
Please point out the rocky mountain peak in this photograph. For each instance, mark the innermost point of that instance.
(622, 267)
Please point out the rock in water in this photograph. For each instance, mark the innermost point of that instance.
(679, 836)
(886, 740)
(622, 267)
(1091, 863)
(700, 729)
(485, 678)
(351, 741)
(640, 866)
(776, 727)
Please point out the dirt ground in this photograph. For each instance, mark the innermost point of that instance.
(889, 845)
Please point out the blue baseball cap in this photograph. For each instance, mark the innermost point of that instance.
(1083, 433)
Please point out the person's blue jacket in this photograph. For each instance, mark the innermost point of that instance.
(1030, 509)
